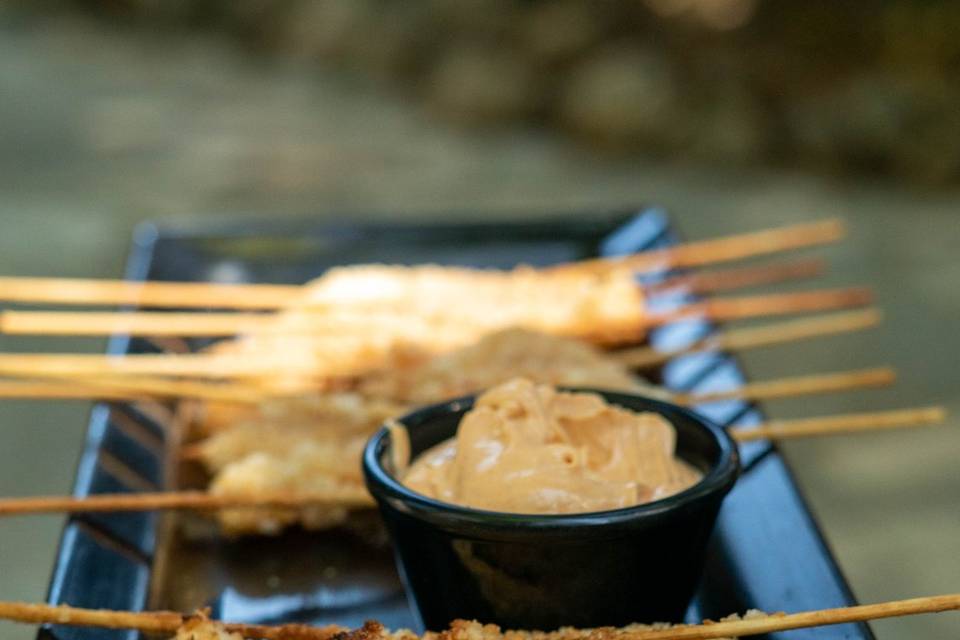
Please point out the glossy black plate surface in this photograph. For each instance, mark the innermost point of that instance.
(766, 553)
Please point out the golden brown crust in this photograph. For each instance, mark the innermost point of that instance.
(286, 444)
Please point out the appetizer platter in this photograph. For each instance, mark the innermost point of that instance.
(269, 429)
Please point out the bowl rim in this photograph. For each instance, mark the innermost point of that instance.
(717, 480)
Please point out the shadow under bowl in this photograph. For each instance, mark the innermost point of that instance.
(638, 564)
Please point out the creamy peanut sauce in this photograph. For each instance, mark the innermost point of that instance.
(527, 448)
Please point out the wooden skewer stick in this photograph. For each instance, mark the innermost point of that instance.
(170, 621)
(726, 249)
(145, 621)
(199, 500)
(738, 308)
(762, 336)
(198, 365)
(176, 500)
(166, 388)
(30, 390)
(140, 323)
(310, 322)
(740, 277)
(320, 325)
(204, 295)
(304, 365)
(130, 388)
(841, 424)
(787, 621)
(795, 386)
(153, 622)
(787, 429)
(80, 291)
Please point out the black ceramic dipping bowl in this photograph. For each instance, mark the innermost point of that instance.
(639, 564)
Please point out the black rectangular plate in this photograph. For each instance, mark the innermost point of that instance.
(767, 551)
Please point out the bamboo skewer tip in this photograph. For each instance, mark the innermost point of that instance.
(770, 334)
(843, 424)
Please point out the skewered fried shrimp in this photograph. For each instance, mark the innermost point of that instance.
(602, 307)
(356, 319)
(291, 444)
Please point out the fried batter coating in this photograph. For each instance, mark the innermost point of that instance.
(473, 630)
(199, 626)
(359, 318)
(202, 628)
(514, 352)
(277, 425)
(310, 466)
(603, 307)
(291, 444)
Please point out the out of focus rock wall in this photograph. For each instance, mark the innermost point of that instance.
(853, 87)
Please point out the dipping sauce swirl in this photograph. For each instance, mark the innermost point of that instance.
(527, 448)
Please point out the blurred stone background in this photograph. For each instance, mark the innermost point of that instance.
(740, 116)
(859, 87)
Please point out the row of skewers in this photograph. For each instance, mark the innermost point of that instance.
(278, 414)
